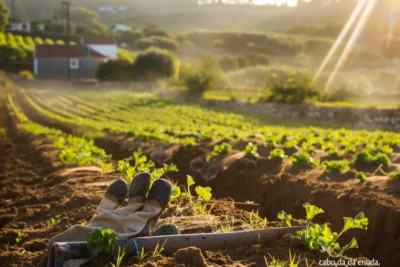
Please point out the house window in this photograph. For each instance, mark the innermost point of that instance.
(74, 63)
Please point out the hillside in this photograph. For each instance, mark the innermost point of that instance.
(137, 12)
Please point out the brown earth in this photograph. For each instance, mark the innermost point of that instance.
(275, 186)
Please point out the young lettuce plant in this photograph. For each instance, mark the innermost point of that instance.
(336, 166)
(304, 159)
(285, 218)
(222, 149)
(321, 237)
(277, 153)
(251, 150)
(203, 194)
(362, 176)
(100, 243)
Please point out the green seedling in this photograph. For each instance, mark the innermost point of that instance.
(189, 182)
(204, 195)
(285, 218)
(100, 243)
(362, 176)
(256, 222)
(251, 150)
(277, 153)
(176, 191)
(323, 239)
(336, 166)
(142, 256)
(304, 159)
(104, 166)
(120, 257)
(19, 237)
(53, 220)
(222, 149)
(365, 158)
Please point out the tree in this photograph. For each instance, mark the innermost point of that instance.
(155, 63)
(79, 14)
(10, 53)
(114, 70)
(3, 16)
(207, 76)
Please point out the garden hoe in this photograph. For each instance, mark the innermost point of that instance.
(62, 252)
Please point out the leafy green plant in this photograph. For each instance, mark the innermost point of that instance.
(365, 158)
(304, 159)
(251, 150)
(362, 176)
(189, 181)
(104, 166)
(53, 220)
(100, 243)
(285, 218)
(19, 237)
(322, 238)
(221, 149)
(203, 195)
(142, 163)
(277, 153)
(335, 166)
(176, 191)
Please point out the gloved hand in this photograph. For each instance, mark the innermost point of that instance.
(136, 219)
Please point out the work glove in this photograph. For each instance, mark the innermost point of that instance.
(136, 219)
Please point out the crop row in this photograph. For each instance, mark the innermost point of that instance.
(152, 118)
(73, 150)
(27, 43)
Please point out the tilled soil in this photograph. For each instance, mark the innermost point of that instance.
(273, 185)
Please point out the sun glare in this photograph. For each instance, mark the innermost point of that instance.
(290, 3)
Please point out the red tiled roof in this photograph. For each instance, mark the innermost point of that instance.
(60, 51)
(97, 40)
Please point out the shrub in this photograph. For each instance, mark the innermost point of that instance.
(129, 37)
(291, 88)
(26, 75)
(48, 41)
(256, 59)
(229, 63)
(152, 31)
(317, 47)
(156, 41)
(9, 53)
(114, 70)
(206, 76)
(155, 63)
(339, 95)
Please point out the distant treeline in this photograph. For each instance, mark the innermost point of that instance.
(267, 43)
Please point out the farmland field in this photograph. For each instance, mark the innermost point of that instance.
(60, 149)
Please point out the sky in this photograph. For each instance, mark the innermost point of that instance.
(291, 3)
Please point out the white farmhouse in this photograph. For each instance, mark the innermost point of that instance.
(103, 45)
(121, 28)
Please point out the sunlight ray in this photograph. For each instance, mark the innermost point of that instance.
(341, 37)
(350, 44)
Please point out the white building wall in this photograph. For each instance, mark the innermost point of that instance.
(107, 50)
(35, 67)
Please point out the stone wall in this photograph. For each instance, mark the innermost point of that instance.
(358, 118)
